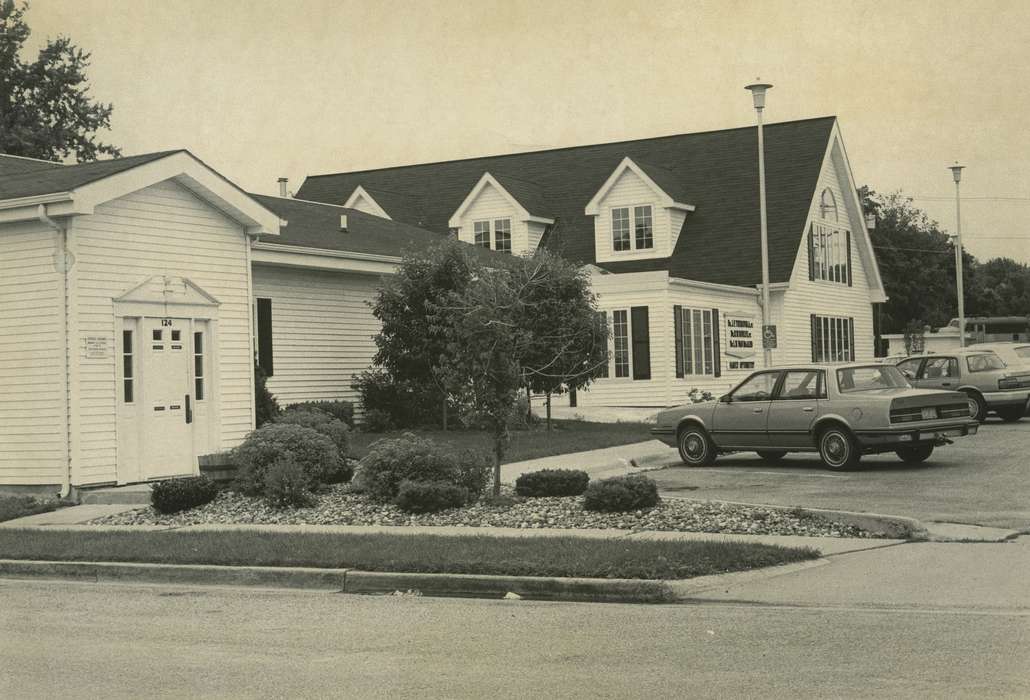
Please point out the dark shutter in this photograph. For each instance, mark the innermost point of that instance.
(641, 343)
(677, 331)
(811, 252)
(264, 335)
(851, 338)
(717, 341)
(849, 256)
(815, 337)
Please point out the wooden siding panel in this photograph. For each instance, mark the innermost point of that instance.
(32, 371)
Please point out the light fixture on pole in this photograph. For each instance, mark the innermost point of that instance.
(768, 330)
(956, 172)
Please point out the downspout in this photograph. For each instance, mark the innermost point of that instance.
(63, 264)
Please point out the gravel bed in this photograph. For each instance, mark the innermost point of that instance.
(339, 506)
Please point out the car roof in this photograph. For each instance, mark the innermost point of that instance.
(814, 365)
(998, 344)
(957, 351)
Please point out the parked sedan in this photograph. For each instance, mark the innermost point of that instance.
(981, 375)
(1016, 355)
(841, 412)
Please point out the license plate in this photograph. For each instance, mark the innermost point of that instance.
(929, 413)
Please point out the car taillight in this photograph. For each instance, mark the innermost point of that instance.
(1020, 382)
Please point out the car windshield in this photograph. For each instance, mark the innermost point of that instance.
(1023, 351)
(984, 362)
(868, 378)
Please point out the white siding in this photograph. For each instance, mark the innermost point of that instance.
(32, 366)
(630, 191)
(322, 331)
(160, 230)
(536, 232)
(363, 204)
(793, 308)
(489, 205)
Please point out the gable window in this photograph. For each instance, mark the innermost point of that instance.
(643, 227)
(502, 235)
(833, 339)
(696, 334)
(482, 231)
(829, 245)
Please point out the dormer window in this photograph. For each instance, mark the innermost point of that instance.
(482, 233)
(497, 237)
(641, 224)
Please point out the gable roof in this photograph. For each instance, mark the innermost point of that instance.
(63, 178)
(716, 171)
(16, 165)
(665, 196)
(528, 191)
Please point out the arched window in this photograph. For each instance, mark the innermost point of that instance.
(828, 205)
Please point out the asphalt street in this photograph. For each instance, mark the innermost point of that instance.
(980, 480)
(88, 640)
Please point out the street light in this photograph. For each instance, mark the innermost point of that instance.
(768, 333)
(956, 172)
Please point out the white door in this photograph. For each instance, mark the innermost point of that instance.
(167, 438)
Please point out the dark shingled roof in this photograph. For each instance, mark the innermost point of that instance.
(16, 165)
(715, 171)
(316, 225)
(529, 194)
(49, 180)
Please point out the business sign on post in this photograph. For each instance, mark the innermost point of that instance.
(740, 341)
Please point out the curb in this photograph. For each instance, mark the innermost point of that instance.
(348, 581)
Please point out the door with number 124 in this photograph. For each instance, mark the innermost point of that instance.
(167, 439)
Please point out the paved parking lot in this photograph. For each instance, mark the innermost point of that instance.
(981, 480)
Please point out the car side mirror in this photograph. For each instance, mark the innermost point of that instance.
(907, 374)
(726, 398)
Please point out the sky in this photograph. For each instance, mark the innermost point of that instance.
(260, 89)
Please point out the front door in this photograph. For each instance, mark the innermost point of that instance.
(167, 439)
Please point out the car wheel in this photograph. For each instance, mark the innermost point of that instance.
(772, 455)
(977, 407)
(1011, 414)
(696, 448)
(838, 450)
(916, 454)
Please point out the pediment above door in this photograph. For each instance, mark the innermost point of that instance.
(167, 295)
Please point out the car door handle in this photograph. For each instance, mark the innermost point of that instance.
(945, 383)
(807, 409)
(756, 410)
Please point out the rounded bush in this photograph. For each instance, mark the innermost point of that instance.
(429, 496)
(315, 453)
(411, 458)
(552, 482)
(377, 420)
(340, 410)
(287, 485)
(333, 428)
(621, 493)
(174, 495)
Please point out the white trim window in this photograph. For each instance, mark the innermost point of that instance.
(833, 339)
(128, 367)
(620, 341)
(632, 228)
(697, 341)
(499, 233)
(831, 252)
(482, 233)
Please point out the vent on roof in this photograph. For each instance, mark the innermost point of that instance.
(282, 187)
(343, 222)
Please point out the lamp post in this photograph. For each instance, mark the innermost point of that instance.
(956, 172)
(758, 94)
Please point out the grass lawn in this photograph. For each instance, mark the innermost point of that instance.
(565, 437)
(12, 507)
(513, 556)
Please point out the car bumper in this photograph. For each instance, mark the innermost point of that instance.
(1013, 397)
(909, 435)
(665, 433)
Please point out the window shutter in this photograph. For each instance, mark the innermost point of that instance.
(641, 343)
(811, 252)
(851, 333)
(677, 330)
(717, 342)
(815, 337)
(264, 335)
(849, 256)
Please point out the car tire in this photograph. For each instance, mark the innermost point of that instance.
(977, 407)
(696, 448)
(772, 455)
(1010, 414)
(838, 449)
(916, 454)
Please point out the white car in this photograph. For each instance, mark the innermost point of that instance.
(1015, 354)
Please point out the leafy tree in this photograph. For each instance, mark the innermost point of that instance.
(45, 108)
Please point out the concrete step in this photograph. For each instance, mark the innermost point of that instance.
(116, 495)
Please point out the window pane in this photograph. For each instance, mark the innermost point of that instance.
(800, 385)
(482, 233)
(198, 365)
(621, 337)
(127, 388)
(198, 343)
(157, 334)
(127, 342)
(620, 229)
(127, 366)
(502, 235)
(757, 388)
(643, 227)
(688, 342)
(199, 389)
(707, 340)
(698, 342)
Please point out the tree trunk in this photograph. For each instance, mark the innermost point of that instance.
(444, 413)
(529, 406)
(500, 440)
(548, 411)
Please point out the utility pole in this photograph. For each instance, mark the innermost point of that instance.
(768, 330)
(956, 172)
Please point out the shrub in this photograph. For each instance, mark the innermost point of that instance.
(429, 496)
(266, 408)
(316, 455)
(174, 495)
(340, 410)
(621, 493)
(287, 485)
(552, 482)
(334, 429)
(475, 470)
(377, 421)
(411, 458)
(697, 396)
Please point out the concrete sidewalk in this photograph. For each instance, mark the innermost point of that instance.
(601, 463)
